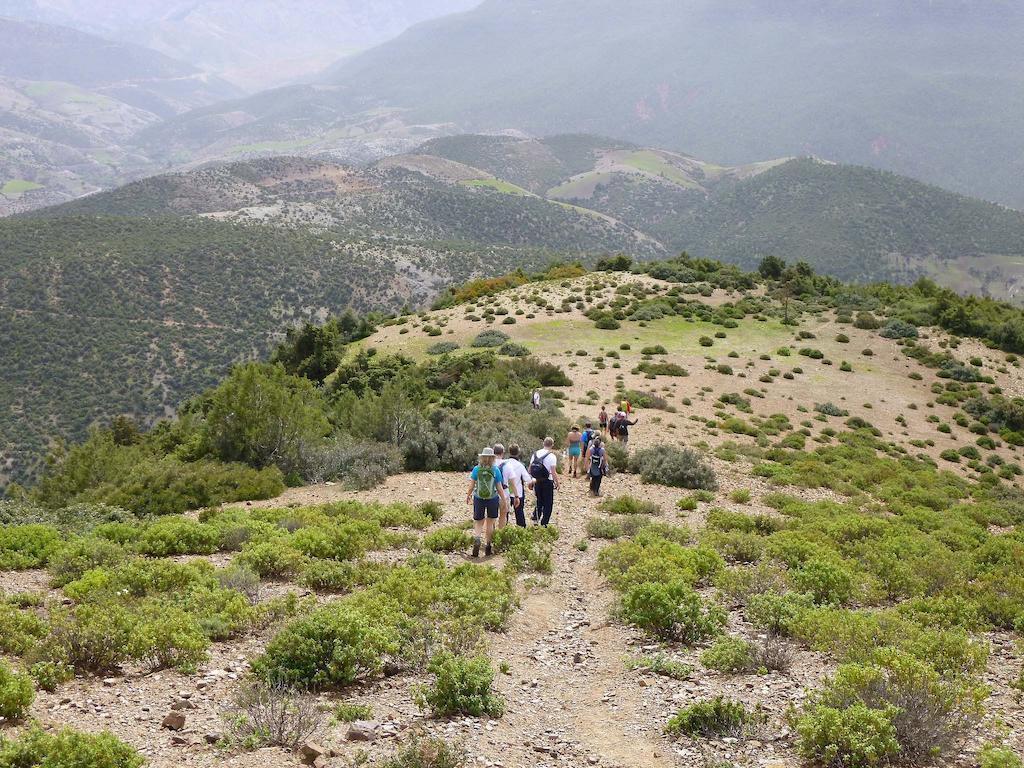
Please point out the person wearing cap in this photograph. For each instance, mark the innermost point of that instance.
(486, 492)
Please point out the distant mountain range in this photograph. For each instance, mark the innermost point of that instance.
(70, 103)
(255, 44)
(925, 88)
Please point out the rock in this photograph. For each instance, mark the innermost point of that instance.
(182, 704)
(109, 682)
(174, 721)
(310, 751)
(178, 740)
(363, 730)
(321, 762)
(577, 658)
(212, 737)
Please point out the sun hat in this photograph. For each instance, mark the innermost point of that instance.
(488, 451)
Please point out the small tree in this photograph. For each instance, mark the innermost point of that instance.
(260, 415)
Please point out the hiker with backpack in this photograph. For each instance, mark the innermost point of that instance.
(585, 438)
(486, 493)
(597, 465)
(544, 471)
(602, 419)
(517, 480)
(623, 428)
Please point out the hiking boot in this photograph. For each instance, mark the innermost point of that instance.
(476, 547)
(487, 550)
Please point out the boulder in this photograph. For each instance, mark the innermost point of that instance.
(363, 730)
(174, 721)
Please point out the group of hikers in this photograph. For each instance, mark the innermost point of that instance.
(500, 480)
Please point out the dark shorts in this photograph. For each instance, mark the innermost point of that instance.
(485, 507)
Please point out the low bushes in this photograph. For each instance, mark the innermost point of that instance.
(673, 466)
(16, 694)
(490, 338)
(450, 539)
(897, 704)
(672, 611)
(713, 717)
(67, 749)
(628, 505)
(461, 686)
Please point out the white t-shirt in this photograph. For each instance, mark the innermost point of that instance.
(550, 461)
(515, 474)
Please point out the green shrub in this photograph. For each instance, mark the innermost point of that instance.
(331, 648)
(490, 338)
(28, 546)
(347, 712)
(898, 329)
(730, 654)
(67, 749)
(270, 559)
(450, 539)
(603, 528)
(16, 694)
(329, 576)
(49, 675)
(672, 611)
(628, 505)
(829, 409)
(19, 630)
(656, 349)
(526, 549)
(928, 713)
(740, 496)
(777, 614)
(461, 686)
(178, 536)
(511, 349)
(673, 466)
(993, 756)
(713, 717)
(91, 638)
(825, 581)
(72, 560)
(442, 348)
(428, 752)
(661, 665)
(852, 737)
(165, 637)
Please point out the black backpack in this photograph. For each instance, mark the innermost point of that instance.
(537, 469)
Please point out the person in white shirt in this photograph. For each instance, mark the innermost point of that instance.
(535, 400)
(517, 480)
(544, 475)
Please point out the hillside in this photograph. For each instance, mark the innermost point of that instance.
(69, 101)
(852, 222)
(130, 301)
(775, 552)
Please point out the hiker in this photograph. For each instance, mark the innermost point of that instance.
(597, 465)
(613, 426)
(623, 430)
(535, 399)
(499, 460)
(626, 407)
(586, 435)
(486, 492)
(544, 471)
(517, 480)
(574, 450)
(602, 419)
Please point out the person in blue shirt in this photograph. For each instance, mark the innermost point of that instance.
(486, 492)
